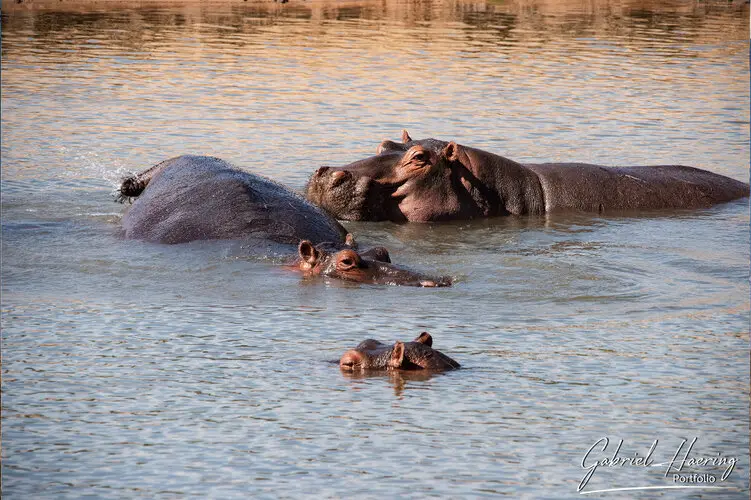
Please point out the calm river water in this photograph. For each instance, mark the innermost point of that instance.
(141, 370)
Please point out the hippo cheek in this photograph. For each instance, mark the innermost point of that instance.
(414, 203)
(414, 208)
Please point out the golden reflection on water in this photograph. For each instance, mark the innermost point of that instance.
(637, 22)
(526, 79)
(566, 327)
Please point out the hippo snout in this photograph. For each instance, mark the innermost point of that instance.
(383, 273)
(330, 178)
(338, 177)
(350, 360)
(435, 283)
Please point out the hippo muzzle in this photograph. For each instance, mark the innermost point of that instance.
(345, 195)
(361, 191)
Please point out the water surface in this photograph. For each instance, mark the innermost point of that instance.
(141, 370)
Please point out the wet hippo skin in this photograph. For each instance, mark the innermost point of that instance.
(372, 355)
(433, 180)
(190, 198)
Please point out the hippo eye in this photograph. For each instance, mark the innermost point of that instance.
(419, 155)
(347, 262)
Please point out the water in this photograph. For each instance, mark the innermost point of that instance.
(140, 370)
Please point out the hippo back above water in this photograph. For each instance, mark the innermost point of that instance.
(204, 198)
(433, 180)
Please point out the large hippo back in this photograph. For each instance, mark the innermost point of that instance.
(203, 198)
(594, 188)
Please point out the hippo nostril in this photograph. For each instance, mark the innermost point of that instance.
(321, 171)
(338, 177)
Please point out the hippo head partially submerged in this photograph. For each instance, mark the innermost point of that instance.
(371, 266)
(416, 355)
(408, 181)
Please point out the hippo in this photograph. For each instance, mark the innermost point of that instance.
(432, 180)
(190, 198)
(416, 355)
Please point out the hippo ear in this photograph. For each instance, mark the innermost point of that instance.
(451, 151)
(397, 355)
(425, 339)
(405, 137)
(308, 253)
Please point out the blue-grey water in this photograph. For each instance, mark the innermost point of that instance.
(148, 371)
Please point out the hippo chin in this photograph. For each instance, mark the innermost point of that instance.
(371, 355)
(192, 198)
(432, 180)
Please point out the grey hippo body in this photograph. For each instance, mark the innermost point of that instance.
(190, 198)
(204, 198)
(434, 180)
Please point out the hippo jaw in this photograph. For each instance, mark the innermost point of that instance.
(416, 355)
(372, 266)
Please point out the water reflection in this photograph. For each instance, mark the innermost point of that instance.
(478, 22)
(572, 326)
(398, 379)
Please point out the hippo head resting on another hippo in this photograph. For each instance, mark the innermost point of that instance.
(416, 355)
(432, 180)
(191, 198)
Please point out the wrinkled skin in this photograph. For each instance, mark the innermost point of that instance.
(372, 355)
(192, 198)
(432, 180)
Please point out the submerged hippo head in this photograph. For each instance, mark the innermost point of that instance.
(371, 266)
(415, 180)
(416, 355)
